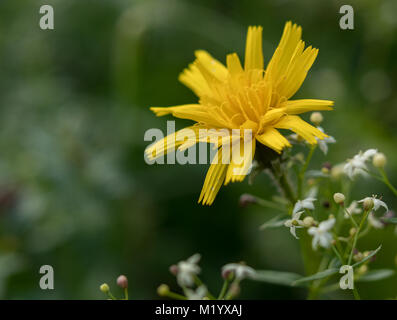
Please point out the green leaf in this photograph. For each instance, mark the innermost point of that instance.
(316, 276)
(273, 223)
(375, 275)
(276, 277)
(367, 257)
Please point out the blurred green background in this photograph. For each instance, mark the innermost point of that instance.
(75, 192)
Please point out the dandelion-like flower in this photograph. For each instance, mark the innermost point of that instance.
(321, 234)
(244, 98)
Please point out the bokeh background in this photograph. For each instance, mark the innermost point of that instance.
(75, 192)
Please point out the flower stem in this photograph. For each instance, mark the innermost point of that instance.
(111, 296)
(302, 172)
(338, 254)
(387, 181)
(199, 283)
(366, 213)
(175, 296)
(355, 293)
(223, 290)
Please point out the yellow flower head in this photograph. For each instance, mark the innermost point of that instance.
(235, 97)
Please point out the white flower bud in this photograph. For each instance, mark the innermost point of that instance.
(379, 160)
(368, 204)
(163, 290)
(308, 222)
(104, 288)
(122, 282)
(339, 198)
(316, 118)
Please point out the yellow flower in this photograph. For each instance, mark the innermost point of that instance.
(232, 97)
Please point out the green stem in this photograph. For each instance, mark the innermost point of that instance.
(175, 296)
(287, 188)
(387, 181)
(315, 287)
(355, 293)
(351, 219)
(199, 283)
(301, 176)
(111, 296)
(338, 254)
(230, 295)
(366, 213)
(223, 290)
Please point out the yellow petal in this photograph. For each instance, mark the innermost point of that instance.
(194, 80)
(233, 64)
(253, 49)
(237, 170)
(169, 143)
(296, 72)
(195, 112)
(213, 180)
(302, 128)
(305, 105)
(213, 66)
(284, 52)
(217, 137)
(290, 63)
(273, 139)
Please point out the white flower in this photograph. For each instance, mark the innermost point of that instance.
(323, 143)
(377, 203)
(187, 270)
(357, 165)
(304, 204)
(294, 223)
(373, 221)
(352, 209)
(241, 271)
(197, 294)
(321, 235)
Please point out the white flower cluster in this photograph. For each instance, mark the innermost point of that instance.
(321, 231)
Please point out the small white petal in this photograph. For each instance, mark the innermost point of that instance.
(298, 206)
(312, 231)
(293, 231)
(297, 215)
(327, 225)
(369, 153)
(379, 203)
